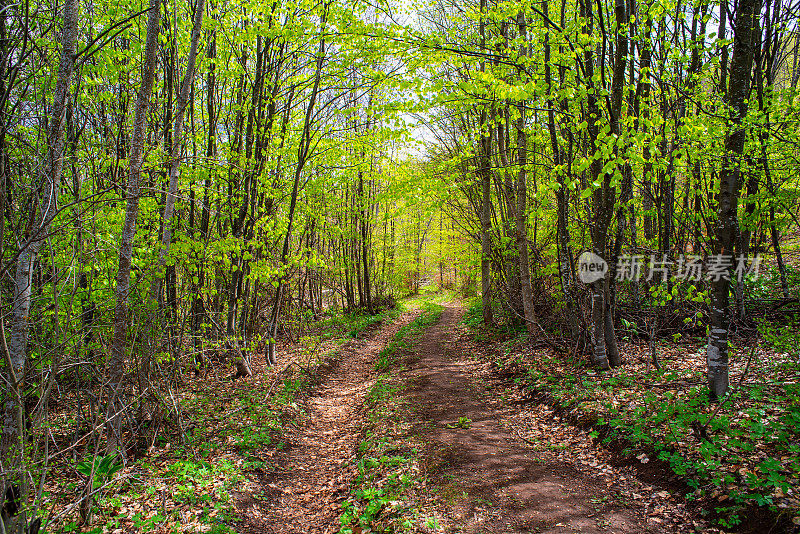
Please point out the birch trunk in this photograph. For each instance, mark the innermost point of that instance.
(599, 230)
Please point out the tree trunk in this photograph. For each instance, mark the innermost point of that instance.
(764, 73)
(522, 197)
(175, 149)
(364, 214)
(118, 348)
(600, 209)
(12, 444)
(727, 225)
(302, 156)
(484, 149)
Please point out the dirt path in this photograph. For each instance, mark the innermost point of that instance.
(488, 466)
(487, 478)
(319, 467)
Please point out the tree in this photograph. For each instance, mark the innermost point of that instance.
(119, 346)
(12, 442)
(177, 145)
(484, 173)
(522, 193)
(303, 151)
(745, 41)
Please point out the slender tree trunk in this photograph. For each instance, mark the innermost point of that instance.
(642, 109)
(302, 156)
(522, 196)
(364, 212)
(119, 344)
(12, 443)
(599, 228)
(617, 92)
(176, 147)
(562, 205)
(484, 172)
(764, 73)
(199, 305)
(507, 198)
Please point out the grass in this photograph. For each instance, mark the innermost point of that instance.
(409, 334)
(351, 325)
(463, 422)
(428, 297)
(504, 327)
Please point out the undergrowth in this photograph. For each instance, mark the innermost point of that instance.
(188, 480)
(504, 326)
(353, 324)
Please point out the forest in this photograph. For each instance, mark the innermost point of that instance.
(257, 258)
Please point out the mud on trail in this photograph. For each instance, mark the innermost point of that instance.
(485, 464)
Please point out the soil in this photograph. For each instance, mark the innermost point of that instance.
(507, 481)
(494, 466)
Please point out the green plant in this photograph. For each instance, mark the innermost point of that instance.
(404, 337)
(783, 336)
(432, 523)
(630, 329)
(463, 422)
(100, 469)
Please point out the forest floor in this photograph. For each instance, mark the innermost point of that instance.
(409, 432)
(418, 420)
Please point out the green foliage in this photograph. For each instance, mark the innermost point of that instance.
(383, 472)
(352, 324)
(463, 422)
(473, 317)
(783, 336)
(630, 329)
(386, 466)
(381, 391)
(365, 203)
(506, 324)
(767, 285)
(100, 468)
